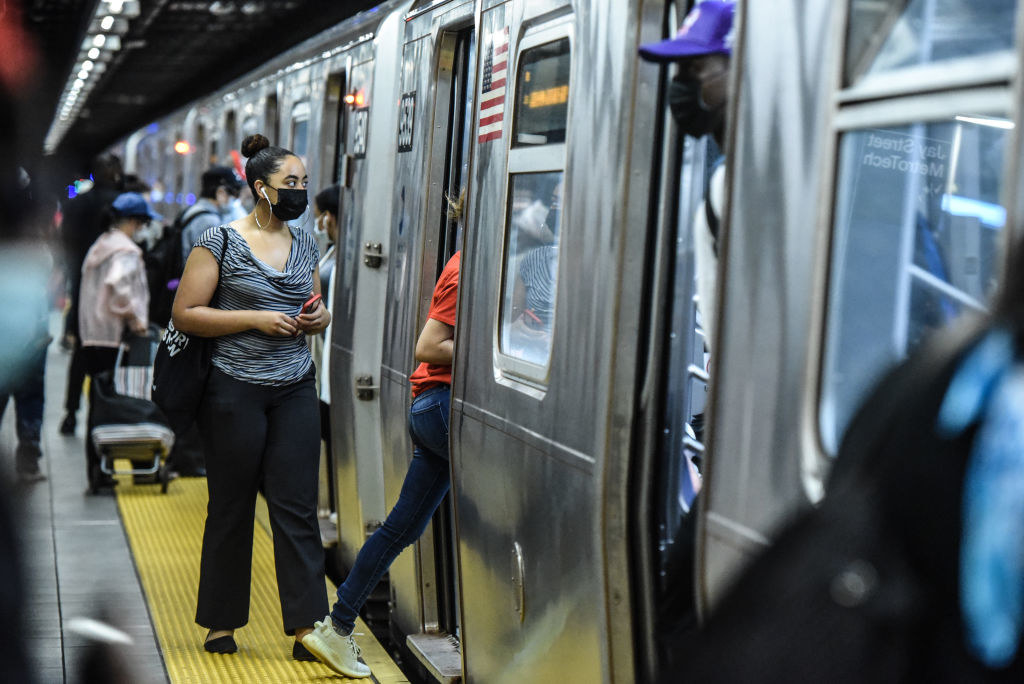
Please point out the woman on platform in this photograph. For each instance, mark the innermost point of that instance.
(246, 284)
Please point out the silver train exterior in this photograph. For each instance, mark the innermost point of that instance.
(549, 557)
(533, 570)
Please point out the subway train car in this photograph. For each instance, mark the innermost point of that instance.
(871, 158)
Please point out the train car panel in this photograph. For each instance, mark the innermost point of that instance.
(359, 486)
(536, 409)
(752, 481)
(904, 151)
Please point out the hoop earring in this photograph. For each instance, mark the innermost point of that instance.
(256, 213)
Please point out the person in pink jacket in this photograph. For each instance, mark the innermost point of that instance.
(114, 295)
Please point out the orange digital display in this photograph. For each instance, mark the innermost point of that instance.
(547, 98)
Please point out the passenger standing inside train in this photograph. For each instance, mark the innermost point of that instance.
(259, 416)
(425, 484)
(698, 96)
(85, 219)
(114, 296)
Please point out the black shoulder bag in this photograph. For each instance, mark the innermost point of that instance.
(181, 366)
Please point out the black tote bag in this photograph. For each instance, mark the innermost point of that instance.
(181, 366)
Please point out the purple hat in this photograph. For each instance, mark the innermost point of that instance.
(707, 30)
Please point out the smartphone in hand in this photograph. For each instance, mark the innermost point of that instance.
(311, 304)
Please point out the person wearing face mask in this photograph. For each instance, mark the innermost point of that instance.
(246, 284)
(114, 296)
(697, 97)
(220, 188)
(325, 212)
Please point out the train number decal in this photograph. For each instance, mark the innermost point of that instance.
(406, 115)
(360, 122)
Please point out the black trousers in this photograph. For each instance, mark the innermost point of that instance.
(256, 439)
(76, 377)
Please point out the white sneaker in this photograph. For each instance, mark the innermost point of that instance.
(335, 651)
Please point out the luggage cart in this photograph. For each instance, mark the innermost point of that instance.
(124, 421)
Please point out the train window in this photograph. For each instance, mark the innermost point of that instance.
(300, 130)
(231, 141)
(250, 126)
(536, 167)
(542, 95)
(916, 236)
(892, 35)
(531, 266)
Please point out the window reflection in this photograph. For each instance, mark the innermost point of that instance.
(531, 266)
(916, 238)
(925, 31)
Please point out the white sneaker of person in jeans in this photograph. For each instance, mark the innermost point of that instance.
(337, 652)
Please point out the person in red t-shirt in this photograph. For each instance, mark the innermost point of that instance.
(424, 487)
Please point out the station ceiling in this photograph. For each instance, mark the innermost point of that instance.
(173, 52)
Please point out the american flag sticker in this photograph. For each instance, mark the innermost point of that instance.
(492, 93)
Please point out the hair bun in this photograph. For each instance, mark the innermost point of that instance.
(253, 144)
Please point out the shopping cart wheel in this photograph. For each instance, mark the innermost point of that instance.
(164, 476)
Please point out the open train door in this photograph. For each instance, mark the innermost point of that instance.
(550, 300)
(433, 142)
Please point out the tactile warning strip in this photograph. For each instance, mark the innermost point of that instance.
(166, 532)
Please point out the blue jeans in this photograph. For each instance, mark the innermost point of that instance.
(28, 401)
(424, 488)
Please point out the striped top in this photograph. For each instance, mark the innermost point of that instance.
(247, 283)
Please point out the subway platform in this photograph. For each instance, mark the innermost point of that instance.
(130, 560)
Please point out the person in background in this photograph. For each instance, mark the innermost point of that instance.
(220, 187)
(151, 232)
(425, 485)
(114, 296)
(325, 213)
(85, 219)
(258, 416)
(27, 263)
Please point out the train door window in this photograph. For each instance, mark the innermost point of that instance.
(922, 32)
(917, 229)
(250, 126)
(457, 151)
(270, 119)
(197, 159)
(534, 211)
(231, 140)
(333, 130)
(300, 131)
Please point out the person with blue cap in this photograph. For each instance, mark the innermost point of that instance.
(114, 295)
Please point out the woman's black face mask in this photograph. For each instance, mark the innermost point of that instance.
(291, 203)
(688, 109)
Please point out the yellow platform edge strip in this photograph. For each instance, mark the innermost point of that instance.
(165, 532)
